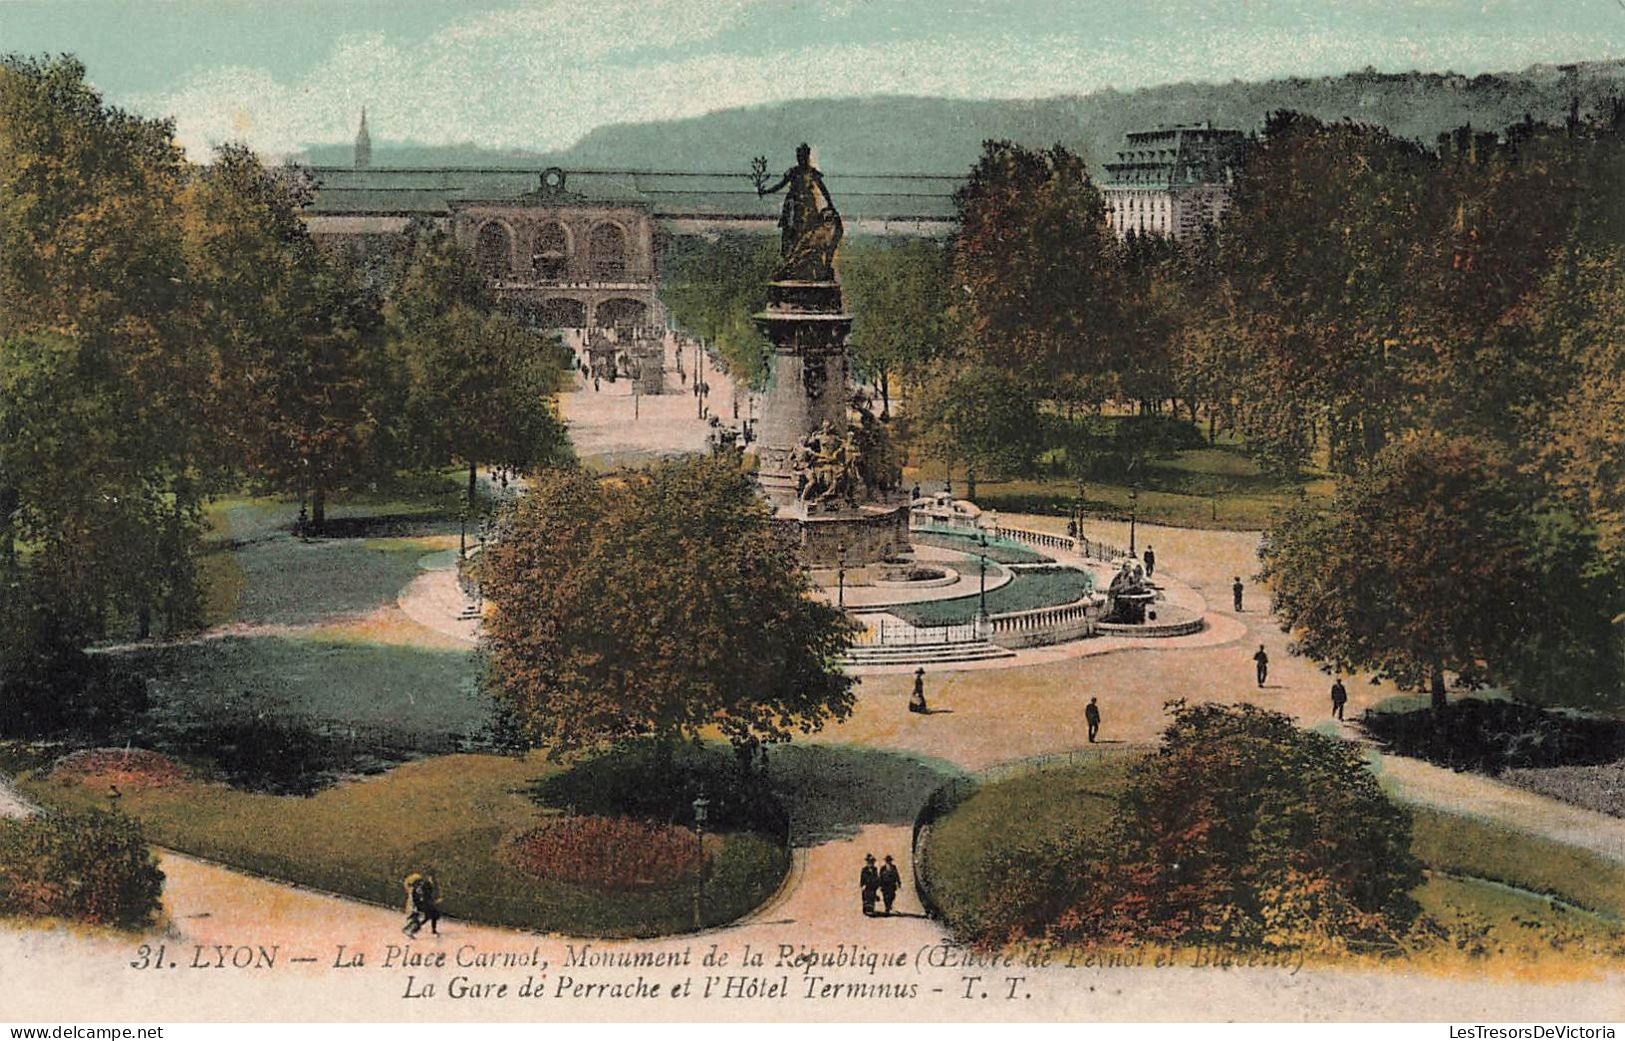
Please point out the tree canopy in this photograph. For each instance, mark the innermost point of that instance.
(656, 603)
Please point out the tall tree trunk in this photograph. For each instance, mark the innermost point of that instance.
(318, 509)
(970, 483)
(473, 487)
(885, 395)
(1439, 700)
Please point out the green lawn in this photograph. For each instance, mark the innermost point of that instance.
(1025, 591)
(1482, 849)
(448, 815)
(406, 688)
(1532, 894)
(1002, 551)
(1013, 812)
(1210, 487)
(255, 571)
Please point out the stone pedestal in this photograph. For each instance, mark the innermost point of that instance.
(868, 534)
(808, 387)
(808, 384)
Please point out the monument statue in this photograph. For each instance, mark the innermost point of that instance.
(828, 473)
(810, 229)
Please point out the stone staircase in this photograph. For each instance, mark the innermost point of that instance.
(924, 653)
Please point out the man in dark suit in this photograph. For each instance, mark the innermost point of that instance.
(1091, 715)
(1340, 697)
(869, 883)
(890, 881)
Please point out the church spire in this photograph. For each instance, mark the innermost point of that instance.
(363, 143)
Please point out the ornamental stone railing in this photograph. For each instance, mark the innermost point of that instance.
(1037, 538)
(1046, 625)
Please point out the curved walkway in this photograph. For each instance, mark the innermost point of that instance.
(980, 718)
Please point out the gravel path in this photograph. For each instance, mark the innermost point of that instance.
(982, 717)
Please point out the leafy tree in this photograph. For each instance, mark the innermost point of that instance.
(656, 603)
(712, 287)
(1584, 448)
(1432, 559)
(105, 435)
(977, 415)
(1035, 263)
(329, 394)
(480, 384)
(1241, 830)
(1309, 321)
(898, 292)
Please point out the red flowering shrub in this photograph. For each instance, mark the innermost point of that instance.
(606, 852)
(93, 867)
(131, 769)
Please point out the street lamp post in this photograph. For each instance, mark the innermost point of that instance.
(981, 592)
(479, 571)
(701, 804)
(1133, 515)
(840, 576)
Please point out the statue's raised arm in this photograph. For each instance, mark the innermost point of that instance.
(809, 227)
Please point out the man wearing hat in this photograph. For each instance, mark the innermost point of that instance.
(890, 881)
(869, 882)
(916, 703)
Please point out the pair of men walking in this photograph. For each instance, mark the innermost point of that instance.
(882, 881)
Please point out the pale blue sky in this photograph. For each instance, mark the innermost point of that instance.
(538, 74)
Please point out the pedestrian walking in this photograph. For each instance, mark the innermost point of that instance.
(1340, 697)
(1091, 715)
(1150, 561)
(422, 903)
(1262, 660)
(916, 701)
(890, 881)
(869, 884)
(1235, 593)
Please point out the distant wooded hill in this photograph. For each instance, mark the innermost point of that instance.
(944, 135)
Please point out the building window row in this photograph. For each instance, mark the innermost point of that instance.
(550, 257)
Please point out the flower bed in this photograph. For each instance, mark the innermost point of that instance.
(1600, 788)
(605, 852)
(131, 769)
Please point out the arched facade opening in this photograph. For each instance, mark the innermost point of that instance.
(621, 312)
(609, 251)
(493, 248)
(551, 257)
(562, 313)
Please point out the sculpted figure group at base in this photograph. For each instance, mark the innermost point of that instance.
(810, 229)
(831, 464)
(827, 467)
